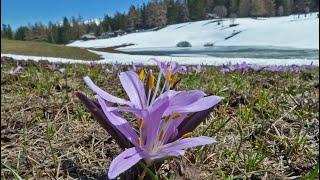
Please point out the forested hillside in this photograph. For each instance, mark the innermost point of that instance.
(157, 13)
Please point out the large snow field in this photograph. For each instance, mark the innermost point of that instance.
(282, 32)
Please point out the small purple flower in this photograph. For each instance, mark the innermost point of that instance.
(136, 67)
(115, 68)
(15, 71)
(170, 72)
(244, 68)
(199, 68)
(54, 67)
(62, 70)
(139, 67)
(172, 68)
(224, 70)
(91, 65)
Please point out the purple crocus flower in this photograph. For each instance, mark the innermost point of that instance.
(199, 68)
(139, 66)
(54, 67)
(158, 120)
(91, 65)
(224, 70)
(15, 71)
(170, 72)
(136, 67)
(153, 140)
(172, 67)
(115, 67)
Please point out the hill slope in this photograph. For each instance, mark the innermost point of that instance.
(31, 48)
(287, 31)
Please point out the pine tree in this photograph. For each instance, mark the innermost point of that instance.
(210, 4)
(270, 7)
(234, 6)
(244, 8)
(6, 31)
(197, 9)
(220, 11)
(172, 11)
(133, 17)
(143, 16)
(183, 15)
(3, 31)
(314, 5)
(66, 31)
(108, 24)
(258, 8)
(156, 14)
(300, 6)
(287, 6)
(50, 33)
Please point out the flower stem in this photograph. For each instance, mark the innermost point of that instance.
(149, 171)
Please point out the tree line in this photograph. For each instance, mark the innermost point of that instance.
(157, 13)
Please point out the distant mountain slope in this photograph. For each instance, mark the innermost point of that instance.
(287, 31)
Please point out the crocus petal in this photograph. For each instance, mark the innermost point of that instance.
(191, 122)
(98, 114)
(18, 69)
(121, 124)
(162, 66)
(172, 128)
(152, 119)
(62, 70)
(163, 154)
(103, 94)
(134, 88)
(124, 161)
(133, 110)
(183, 99)
(200, 105)
(187, 143)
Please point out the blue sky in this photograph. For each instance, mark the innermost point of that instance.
(20, 12)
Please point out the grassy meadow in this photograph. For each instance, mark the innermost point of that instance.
(31, 48)
(267, 125)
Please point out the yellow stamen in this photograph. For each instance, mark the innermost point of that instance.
(139, 141)
(141, 74)
(174, 79)
(186, 135)
(140, 121)
(151, 81)
(169, 76)
(175, 116)
(161, 135)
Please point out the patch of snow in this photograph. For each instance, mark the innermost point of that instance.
(41, 58)
(114, 58)
(286, 31)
